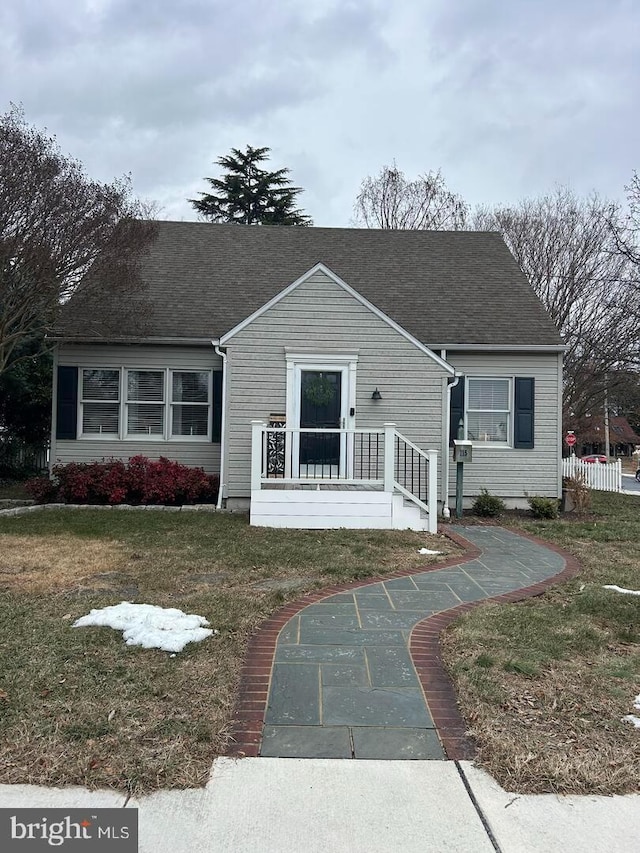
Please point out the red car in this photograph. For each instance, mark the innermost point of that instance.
(595, 457)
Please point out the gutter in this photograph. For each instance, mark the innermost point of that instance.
(501, 347)
(223, 428)
(86, 339)
(446, 512)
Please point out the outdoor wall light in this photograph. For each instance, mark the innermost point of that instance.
(376, 395)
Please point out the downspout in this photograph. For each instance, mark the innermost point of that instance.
(223, 427)
(54, 411)
(446, 512)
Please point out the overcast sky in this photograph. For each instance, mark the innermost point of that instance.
(507, 97)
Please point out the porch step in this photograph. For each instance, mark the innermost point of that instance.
(407, 515)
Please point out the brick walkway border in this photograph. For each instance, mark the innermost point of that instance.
(424, 648)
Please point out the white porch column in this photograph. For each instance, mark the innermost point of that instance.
(257, 432)
(432, 490)
(389, 444)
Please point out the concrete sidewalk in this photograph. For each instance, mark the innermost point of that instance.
(276, 805)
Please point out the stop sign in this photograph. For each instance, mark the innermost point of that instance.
(570, 439)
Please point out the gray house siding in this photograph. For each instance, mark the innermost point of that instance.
(320, 315)
(510, 472)
(205, 454)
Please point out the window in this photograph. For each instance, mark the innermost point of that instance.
(157, 404)
(488, 415)
(100, 402)
(190, 403)
(145, 402)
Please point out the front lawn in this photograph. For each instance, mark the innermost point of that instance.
(77, 706)
(543, 684)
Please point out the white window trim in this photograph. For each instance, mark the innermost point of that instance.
(492, 445)
(134, 436)
(123, 402)
(170, 404)
(96, 436)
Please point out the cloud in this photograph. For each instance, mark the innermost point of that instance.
(507, 98)
(164, 63)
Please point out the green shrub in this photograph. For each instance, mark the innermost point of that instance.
(543, 507)
(488, 505)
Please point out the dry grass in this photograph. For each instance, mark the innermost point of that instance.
(557, 729)
(80, 707)
(47, 563)
(544, 684)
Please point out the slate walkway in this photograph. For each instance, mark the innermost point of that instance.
(344, 684)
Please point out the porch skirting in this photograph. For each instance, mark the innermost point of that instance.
(324, 509)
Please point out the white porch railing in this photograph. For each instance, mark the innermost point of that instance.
(606, 476)
(381, 459)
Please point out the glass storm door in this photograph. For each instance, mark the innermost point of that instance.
(321, 453)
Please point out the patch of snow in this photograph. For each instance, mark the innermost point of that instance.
(631, 718)
(149, 626)
(622, 589)
(428, 551)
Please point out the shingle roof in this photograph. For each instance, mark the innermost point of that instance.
(444, 287)
(619, 430)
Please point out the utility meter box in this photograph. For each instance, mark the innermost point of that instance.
(462, 450)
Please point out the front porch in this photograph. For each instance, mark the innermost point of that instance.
(331, 478)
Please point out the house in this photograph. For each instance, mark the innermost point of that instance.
(322, 372)
(623, 440)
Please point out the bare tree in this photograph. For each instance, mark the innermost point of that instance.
(390, 200)
(628, 234)
(568, 249)
(61, 234)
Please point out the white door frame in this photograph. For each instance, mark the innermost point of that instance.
(343, 363)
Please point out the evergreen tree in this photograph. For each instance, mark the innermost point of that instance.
(25, 393)
(250, 195)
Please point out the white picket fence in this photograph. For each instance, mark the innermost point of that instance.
(606, 476)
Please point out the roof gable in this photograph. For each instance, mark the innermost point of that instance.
(361, 299)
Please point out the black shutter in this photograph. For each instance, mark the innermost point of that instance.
(524, 413)
(67, 403)
(456, 411)
(216, 432)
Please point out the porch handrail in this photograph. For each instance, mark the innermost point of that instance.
(379, 457)
(336, 430)
(431, 460)
(275, 455)
(415, 447)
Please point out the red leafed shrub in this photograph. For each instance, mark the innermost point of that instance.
(141, 481)
(42, 490)
(168, 482)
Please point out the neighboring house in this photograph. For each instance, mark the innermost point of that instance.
(321, 336)
(623, 440)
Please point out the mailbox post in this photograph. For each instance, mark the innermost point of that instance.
(462, 452)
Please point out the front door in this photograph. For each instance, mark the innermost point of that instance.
(320, 409)
(320, 416)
